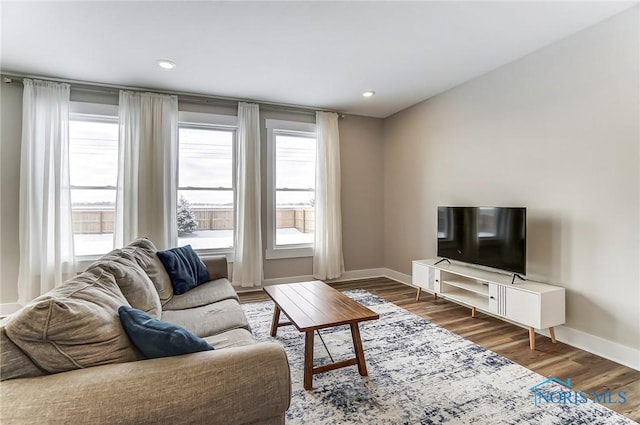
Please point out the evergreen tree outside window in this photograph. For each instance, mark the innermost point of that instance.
(187, 222)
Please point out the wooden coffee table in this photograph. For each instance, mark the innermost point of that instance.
(315, 305)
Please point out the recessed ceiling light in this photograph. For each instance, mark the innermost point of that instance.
(368, 93)
(166, 64)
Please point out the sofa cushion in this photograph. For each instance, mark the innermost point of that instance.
(184, 267)
(155, 338)
(207, 293)
(232, 338)
(209, 319)
(144, 252)
(75, 325)
(134, 283)
(14, 363)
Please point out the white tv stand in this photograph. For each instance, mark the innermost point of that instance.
(532, 304)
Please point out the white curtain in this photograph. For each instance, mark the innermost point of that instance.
(247, 266)
(327, 251)
(46, 231)
(147, 166)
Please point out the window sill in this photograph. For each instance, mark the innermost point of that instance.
(293, 252)
(211, 252)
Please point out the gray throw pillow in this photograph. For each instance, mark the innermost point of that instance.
(75, 325)
(134, 283)
(143, 250)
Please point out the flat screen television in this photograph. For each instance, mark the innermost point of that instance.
(494, 237)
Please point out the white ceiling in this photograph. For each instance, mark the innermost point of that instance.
(318, 54)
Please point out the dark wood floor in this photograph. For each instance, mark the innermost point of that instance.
(587, 371)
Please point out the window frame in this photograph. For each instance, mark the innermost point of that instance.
(206, 121)
(274, 128)
(93, 112)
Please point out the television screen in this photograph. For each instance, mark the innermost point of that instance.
(488, 236)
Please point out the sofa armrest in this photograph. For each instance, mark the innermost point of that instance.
(217, 266)
(237, 385)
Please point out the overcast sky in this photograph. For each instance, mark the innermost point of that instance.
(204, 161)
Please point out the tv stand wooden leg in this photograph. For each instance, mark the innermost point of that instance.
(473, 312)
(435, 296)
(532, 338)
(552, 332)
(418, 293)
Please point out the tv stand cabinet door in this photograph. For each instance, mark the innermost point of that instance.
(523, 307)
(425, 277)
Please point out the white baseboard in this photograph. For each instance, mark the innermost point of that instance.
(346, 276)
(8, 308)
(281, 280)
(610, 350)
(613, 351)
(398, 277)
(360, 274)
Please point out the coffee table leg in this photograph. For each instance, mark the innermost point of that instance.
(357, 346)
(276, 319)
(308, 360)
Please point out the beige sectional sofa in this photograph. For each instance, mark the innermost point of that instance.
(65, 357)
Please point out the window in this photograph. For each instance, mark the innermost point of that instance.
(93, 168)
(206, 152)
(292, 185)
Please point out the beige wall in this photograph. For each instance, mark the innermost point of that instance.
(557, 132)
(361, 161)
(10, 134)
(362, 183)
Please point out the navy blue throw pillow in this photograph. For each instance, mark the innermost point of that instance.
(155, 338)
(184, 267)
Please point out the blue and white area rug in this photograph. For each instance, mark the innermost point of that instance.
(419, 373)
